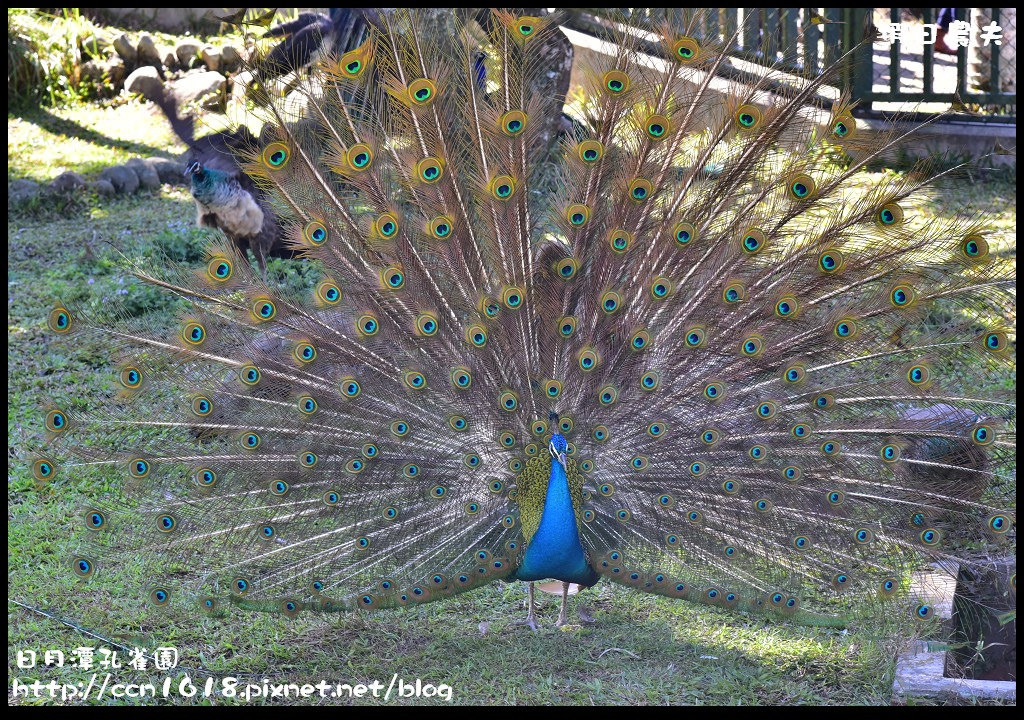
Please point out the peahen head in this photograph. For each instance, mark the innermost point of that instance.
(557, 447)
(206, 181)
(195, 168)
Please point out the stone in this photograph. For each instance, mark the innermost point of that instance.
(169, 58)
(20, 192)
(94, 47)
(94, 70)
(149, 53)
(67, 182)
(297, 102)
(240, 86)
(148, 177)
(145, 81)
(117, 69)
(103, 188)
(211, 58)
(208, 86)
(105, 72)
(124, 179)
(164, 19)
(281, 86)
(187, 50)
(230, 58)
(168, 171)
(123, 46)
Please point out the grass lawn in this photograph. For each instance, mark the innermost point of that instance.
(642, 650)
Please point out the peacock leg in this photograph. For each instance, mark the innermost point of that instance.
(531, 618)
(562, 620)
(586, 616)
(585, 613)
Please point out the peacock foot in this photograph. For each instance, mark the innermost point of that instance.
(587, 616)
(530, 622)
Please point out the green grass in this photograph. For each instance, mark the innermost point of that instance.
(44, 56)
(642, 650)
(43, 143)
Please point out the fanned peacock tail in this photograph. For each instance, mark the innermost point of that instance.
(768, 386)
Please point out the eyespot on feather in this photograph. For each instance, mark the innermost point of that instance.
(683, 234)
(619, 240)
(588, 358)
(219, 269)
(640, 189)
(392, 278)
(513, 122)
(973, 248)
(60, 320)
(843, 127)
(686, 50)
(590, 151)
(801, 187)
(315, 233)
(275, 156)
(753, 241)
(328, 293)
(656, 127)
(889, 215)
(429, 170)
(577, 215)
(615, 82)
(748, 117)
(421, 92)
(831, 261)
(502, 187)
(526, 27)
(359, 157)
(440, 227)
(354, 63)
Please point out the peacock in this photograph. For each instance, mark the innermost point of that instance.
(680, 350)
(226, 198)
(305, 38)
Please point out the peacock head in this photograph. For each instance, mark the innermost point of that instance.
(205, 180)
(194, 170)
(557, 447)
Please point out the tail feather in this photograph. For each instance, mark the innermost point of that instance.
(778, 386)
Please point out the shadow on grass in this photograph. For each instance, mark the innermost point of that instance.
(640, 651)
(69, 128)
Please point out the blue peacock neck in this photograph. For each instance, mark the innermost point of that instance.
(555, 550)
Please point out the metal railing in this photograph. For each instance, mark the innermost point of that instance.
(864, 87)
(804, 41)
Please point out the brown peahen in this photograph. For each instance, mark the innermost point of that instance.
(226, 198)
(685, 352)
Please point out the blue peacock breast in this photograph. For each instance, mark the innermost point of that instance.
(553, 546)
